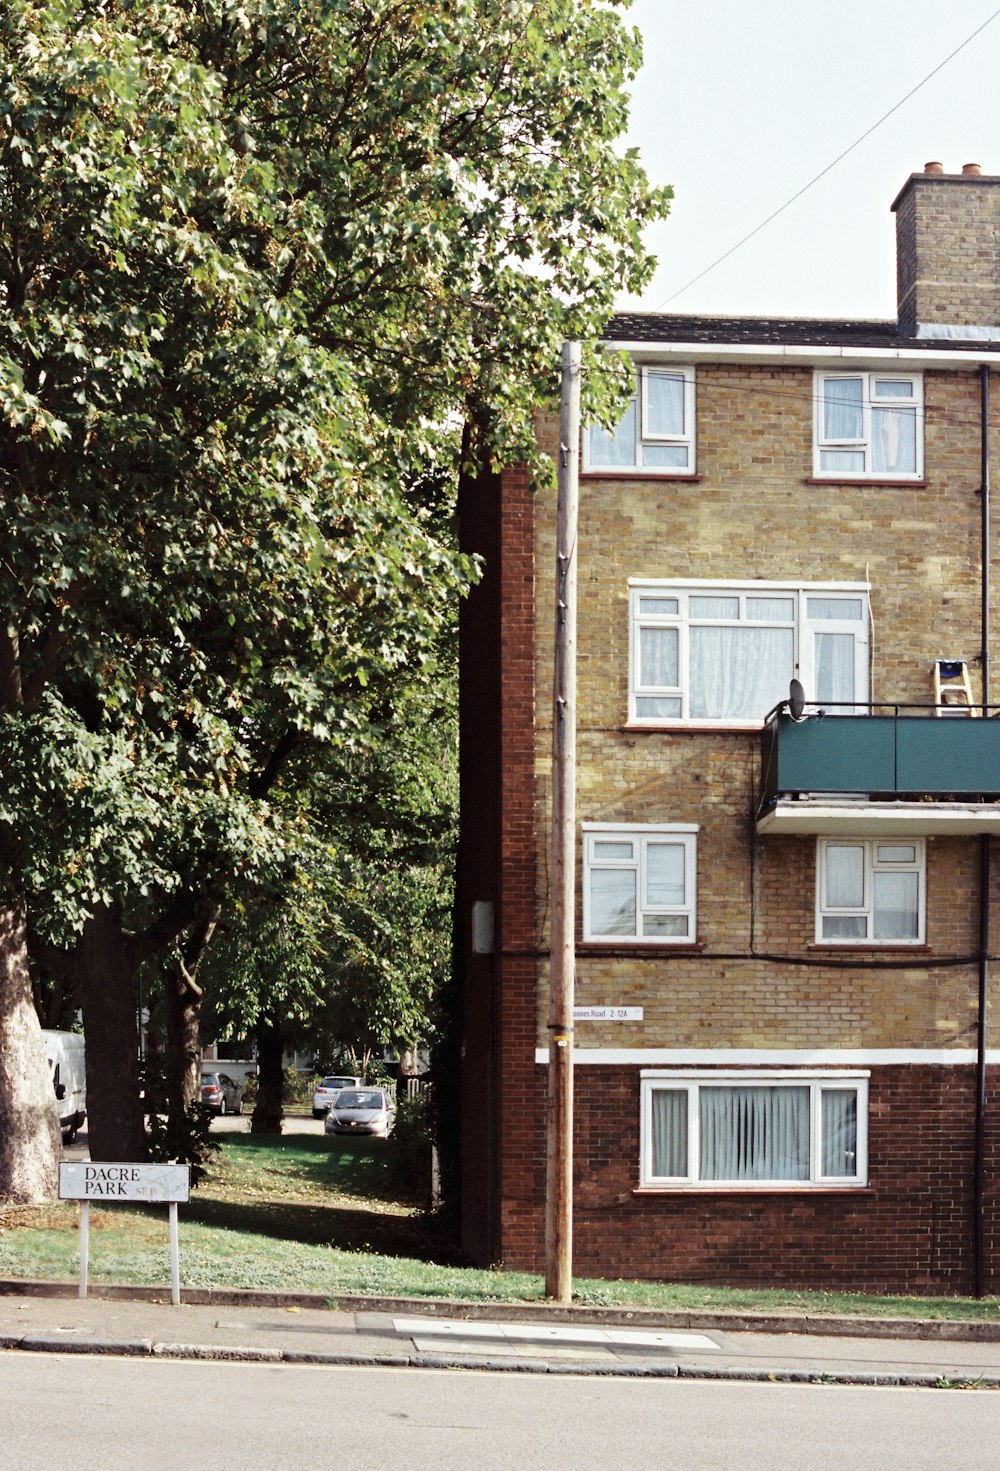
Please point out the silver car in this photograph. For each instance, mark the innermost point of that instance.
(326, 1091)
(361, 1111)
(221, 1094)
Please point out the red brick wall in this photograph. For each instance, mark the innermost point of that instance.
(911, 1231)
(496, 858)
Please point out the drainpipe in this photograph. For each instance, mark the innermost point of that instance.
(984, 857)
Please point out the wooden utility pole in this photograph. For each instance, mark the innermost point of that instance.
(559, 1150)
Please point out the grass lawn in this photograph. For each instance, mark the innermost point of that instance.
(312, 1214)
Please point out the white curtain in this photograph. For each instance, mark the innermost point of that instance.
(894, 434)
(658, 661)
(754, 1133)
(618, 447)
(739, 673)
(895, 906)
(664, 404)
(843, 416)
(835, 667)
(669, 1126)
(840, 1132)
(664, 875)
(612, 901)
(845, 876)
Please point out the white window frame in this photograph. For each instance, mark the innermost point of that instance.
(866, 910)
(692, 1082)
(804, 629)
(644, 435)
(641, 835)
(864, 443)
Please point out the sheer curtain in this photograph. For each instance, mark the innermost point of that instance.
(658, 658)
(754, 1133)
(844, 888)
(612, 901)
(669, 1123)
(843, 413)
(835, 667)
(739, 673)
(896, 905)
(840, 1132)
(894, 440)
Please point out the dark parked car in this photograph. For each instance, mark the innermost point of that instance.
(221, 1094)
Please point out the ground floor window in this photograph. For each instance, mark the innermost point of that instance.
(752, 1128)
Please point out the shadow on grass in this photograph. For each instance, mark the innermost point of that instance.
(346, 1227)
(260, 1175)
(353, 1166)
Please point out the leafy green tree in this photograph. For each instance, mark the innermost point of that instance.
(257, 257)
(350, 955)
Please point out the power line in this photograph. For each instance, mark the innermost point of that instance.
(839, 159)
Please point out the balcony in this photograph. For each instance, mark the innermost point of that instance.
(890, 770)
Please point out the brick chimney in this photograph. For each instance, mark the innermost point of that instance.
(948, 254)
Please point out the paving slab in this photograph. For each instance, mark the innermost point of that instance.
(288, 1333)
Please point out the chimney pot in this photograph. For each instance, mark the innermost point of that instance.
(934, 167)
(971, 168)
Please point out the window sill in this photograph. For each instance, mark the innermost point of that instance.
(740, 1192)
(914, 483)
(700, 727)
(896, 947)
(625, 947)
(624, 473)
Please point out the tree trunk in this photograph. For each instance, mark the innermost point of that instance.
(409, 1062)
(183, 998)
(105, 976)
(182, 1069)
(268, 1110)
(29, 1124)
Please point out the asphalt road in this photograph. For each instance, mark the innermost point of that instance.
(133, 1415)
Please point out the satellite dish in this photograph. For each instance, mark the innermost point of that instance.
(796, 700)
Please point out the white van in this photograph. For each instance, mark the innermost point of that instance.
(64, 1051)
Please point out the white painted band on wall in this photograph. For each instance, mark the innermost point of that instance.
(778, 1056)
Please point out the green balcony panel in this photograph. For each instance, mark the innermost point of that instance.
(954, 754)
(882, 755)
(842, 753)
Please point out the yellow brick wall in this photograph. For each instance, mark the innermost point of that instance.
(752, 514)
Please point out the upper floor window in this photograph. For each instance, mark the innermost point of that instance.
(656, 431)
(639, 883)
(869, 425)
(726, 652)
(870, 891)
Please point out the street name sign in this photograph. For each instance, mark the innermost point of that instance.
(124, 1182)
(607, 1013)
(106, 1181)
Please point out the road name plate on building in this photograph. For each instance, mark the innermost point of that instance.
(160, 1183)
(607, 1013)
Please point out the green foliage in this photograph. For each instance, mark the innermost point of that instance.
(259, 259)
(410, 1145)
(184, 1141)
(297, 1087)
(355, 947)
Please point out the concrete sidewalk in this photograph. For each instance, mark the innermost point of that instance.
(46, 1317)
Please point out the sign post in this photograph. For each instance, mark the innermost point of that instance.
(103, 1181)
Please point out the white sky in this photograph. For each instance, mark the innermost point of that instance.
(741, 102)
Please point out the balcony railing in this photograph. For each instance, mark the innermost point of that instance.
(887, 752)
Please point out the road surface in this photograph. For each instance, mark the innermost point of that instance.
(133, 1415)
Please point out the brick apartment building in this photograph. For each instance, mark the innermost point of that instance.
(782, 940)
